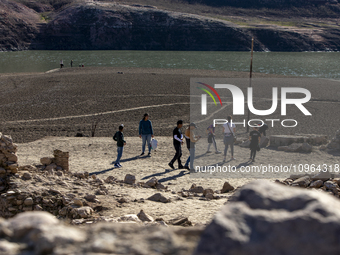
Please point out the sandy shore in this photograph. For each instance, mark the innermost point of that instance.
(96, 155)
(68, 101)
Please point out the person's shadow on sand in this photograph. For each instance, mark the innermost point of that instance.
(159, 174)
(249, 162)
(126, 160)
(103, 171)
(170, 178)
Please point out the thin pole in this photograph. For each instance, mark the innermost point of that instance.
(250, 76)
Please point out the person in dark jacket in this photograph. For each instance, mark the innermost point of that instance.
(119, 137)
(178, 141)
(146, 133)
(255, 138)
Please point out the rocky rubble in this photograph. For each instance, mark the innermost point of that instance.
(205, 194)
(267, 218)
(261, 218)
(84, 198)
(8, 157)
(296, 147)
(286, 140)
(322, 181)
(41, 233)
(291, 143)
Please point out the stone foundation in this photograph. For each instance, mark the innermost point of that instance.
(61, 159)
(286, 140)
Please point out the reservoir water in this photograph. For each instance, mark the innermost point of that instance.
(306, 64)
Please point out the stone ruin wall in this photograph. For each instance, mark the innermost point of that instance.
(12, 199)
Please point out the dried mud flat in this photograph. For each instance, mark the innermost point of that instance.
(64, 102)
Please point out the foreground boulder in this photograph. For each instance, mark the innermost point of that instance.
(129, 179)
(267, 218)
(40, 233)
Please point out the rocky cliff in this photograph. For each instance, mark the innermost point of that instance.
(18, 26)
(112, 26)
(104, 26)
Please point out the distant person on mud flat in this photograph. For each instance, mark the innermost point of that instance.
(255, 138)
(119, 137)
(71, 63)
(211, 139)
(61, 63)
(263, 128)
(229, 133)
(191, 140)
(146, 133)
(178, 141)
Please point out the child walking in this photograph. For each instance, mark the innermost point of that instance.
(254, 138)
(119, 137)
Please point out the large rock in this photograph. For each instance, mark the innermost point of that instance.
(303, 181)
(12, 157)
(227, 187)
(26, 176)
(333, 186)
(322, 175)
(196, 189)
(44, 232)
(46, 161)
(82, 212)
(316, 184)
(267, 218)
(130, 179)
(152, 182)
(158, 197)
(144, 216)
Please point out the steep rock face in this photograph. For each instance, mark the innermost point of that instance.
(18, 26)
(110, 26)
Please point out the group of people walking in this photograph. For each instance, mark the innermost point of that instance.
(229, 131)
(146, 133)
